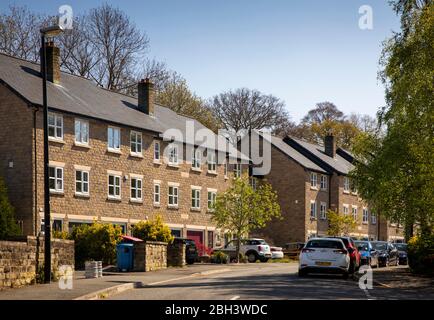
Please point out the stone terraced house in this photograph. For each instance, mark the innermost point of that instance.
(311, 179)
(108, 159)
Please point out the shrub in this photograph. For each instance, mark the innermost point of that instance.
(421, 254)
(8, 225)
(96, 242)
(60, 235)
(153, 230)
(219, 257)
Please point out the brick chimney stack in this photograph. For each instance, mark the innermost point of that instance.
(146, 96)
(53, 62)
(330, 145)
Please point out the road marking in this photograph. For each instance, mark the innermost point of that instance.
(368, 295)
(383, 284)
(204, 273)
(235, 298)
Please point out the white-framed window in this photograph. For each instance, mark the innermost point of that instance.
(212, 196)
(346, 184)
(81, 128)
(354, 212)
(211, 161)
(136, 189)
(346, 209)
(136, 142)
(313, 209)
(173, 154)
(114, 186)
(323, 210)
(313, 180)
(353, 187)
(323, 182)
(82, 182)
(156, 151)
(56, 179)
(373, 217)
(157, 193)
(195, 198)
(55, 126)
(173, 195)
(196, 159)
(114, 138)
(237, 170)
(365, 217)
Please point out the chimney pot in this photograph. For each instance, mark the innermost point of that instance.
(330, 145)
(146, 94)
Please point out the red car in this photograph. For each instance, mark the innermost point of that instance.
(355, 256)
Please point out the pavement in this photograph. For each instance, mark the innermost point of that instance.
(269, 281)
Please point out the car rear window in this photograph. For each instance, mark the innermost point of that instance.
(379, 245)
(331, 244)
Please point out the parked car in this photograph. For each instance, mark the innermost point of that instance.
(276, 253)
(354, 253)
(324, 255)
(368, 255)
(253, 249)
(293, 249)
(402, 252)
(191, 252)
(387, 253)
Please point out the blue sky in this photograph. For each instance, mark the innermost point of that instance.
(303, 52)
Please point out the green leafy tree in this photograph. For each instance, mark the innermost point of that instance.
(8, 225)
(395, 171)
(96, 242)
(241, 209)
(340, 225)
(153, 230)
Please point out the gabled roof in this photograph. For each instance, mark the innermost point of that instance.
(316, 153)
(290, 152)
(80, 96)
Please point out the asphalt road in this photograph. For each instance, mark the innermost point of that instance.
(265, 281)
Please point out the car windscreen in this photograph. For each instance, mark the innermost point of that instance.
(363, 245)
(330, 244)
(401, 246)
(379, 245)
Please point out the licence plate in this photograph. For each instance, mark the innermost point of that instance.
(323, 263)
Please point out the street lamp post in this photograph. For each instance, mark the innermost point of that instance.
(50, 31)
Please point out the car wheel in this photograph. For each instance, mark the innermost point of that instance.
(251, 257)
(351, 269)
(190, 261)
(264, 259)
(302, 273)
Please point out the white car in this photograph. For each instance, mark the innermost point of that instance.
(276, 253)
(324, 255)
(253, 249)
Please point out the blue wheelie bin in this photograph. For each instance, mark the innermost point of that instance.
(125, 256)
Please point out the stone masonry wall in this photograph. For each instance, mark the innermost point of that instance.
(20, 260)
(176, 255)
(150, 256)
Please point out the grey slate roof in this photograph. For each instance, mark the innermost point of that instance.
(338, 163)
(81, 96)
(294, 154)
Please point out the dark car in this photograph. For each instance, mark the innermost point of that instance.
(402, 252)
(191, 252)
(355, 256)
(387, 253)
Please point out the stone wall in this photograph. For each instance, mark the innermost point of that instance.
(20, 260)
(176, 255)
(150, 256)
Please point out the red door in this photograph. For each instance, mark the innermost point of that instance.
(197, 237)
